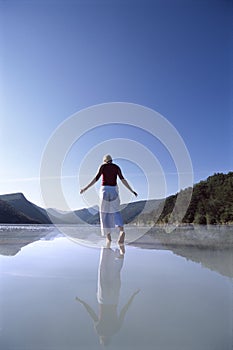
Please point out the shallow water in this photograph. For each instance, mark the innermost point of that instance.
(57, 294)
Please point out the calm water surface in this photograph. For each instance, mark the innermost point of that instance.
(57, 294)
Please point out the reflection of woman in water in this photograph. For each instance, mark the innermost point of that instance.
(109, 282)
(110, 215)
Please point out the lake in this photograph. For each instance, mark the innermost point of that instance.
(58, 294)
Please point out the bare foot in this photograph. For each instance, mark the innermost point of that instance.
(108, 243)
(122, 249)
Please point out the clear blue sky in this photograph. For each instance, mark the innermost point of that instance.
(58, 57)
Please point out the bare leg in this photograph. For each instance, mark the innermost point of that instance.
(121, 237)
(108, 237)
(122, 250)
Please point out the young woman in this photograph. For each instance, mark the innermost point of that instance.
(110, 215)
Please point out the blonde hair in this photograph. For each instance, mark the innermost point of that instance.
(107, 158)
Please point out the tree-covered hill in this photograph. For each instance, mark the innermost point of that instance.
(211, 203)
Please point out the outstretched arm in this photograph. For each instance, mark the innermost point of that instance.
(89, 309)
(89, 185)
(125, 182)
(126, 307)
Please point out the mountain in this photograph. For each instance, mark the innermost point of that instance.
(10, 215)
(20, 210)
(91, 215)
(130, 211)
(77, 217)
(211, 203)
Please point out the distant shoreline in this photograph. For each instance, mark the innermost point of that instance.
(159, 236)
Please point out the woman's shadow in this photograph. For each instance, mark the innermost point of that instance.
(109, 321)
